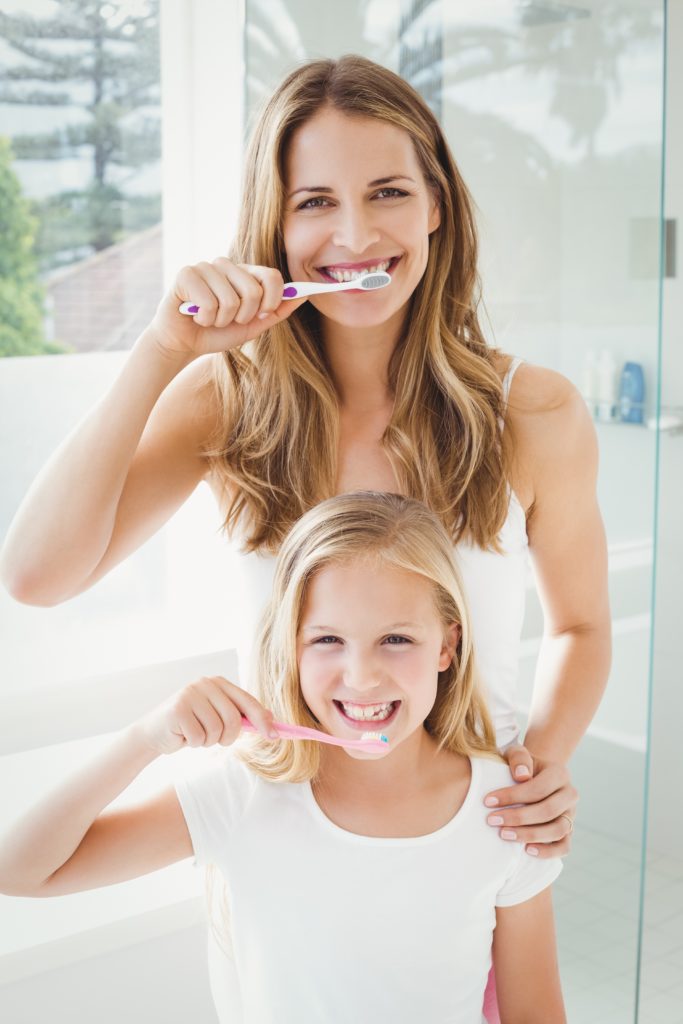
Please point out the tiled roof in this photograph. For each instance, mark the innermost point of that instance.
(104, 301)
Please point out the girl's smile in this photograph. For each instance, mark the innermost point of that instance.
(374, 666)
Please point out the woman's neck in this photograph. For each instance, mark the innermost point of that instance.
(359, 362)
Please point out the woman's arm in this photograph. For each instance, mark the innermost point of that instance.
(556, 443)
(137, 456)
(109, 486)
(525, 961)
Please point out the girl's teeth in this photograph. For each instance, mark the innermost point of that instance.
(376, 712)
(351, 275)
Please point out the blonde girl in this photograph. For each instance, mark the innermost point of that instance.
(358, 886)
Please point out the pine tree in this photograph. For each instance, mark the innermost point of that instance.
(95, 56)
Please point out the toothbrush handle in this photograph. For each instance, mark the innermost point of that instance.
(295, 289)
(301, 732)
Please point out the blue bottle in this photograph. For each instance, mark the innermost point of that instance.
(632, 393)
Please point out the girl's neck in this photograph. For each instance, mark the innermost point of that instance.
(405, 771)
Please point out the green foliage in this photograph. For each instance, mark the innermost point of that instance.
(21, 296)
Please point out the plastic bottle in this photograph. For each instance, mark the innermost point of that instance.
(632, 393)
(607, 387)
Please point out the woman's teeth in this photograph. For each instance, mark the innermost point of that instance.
(351, 275)
(367, 712)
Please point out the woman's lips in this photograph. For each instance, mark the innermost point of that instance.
(328, 277)
(369, 724)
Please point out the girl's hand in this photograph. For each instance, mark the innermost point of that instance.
(202, 714)
(231, 297)
(547, 795)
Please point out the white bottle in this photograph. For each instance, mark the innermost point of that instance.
(589, 380)
(606, 387)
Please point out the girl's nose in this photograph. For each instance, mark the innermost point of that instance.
(360, 677)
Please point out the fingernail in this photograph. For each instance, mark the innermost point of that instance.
(522, 770)
(532, 850)
(263, 316)
(274, 734)
(508, 833)
(491, 801)
(496, 821)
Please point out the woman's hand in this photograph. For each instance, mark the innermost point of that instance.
(202, 714)
(231, 299)
(546, 796)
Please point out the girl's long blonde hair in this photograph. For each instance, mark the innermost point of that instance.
(381, 530)
(275, 448)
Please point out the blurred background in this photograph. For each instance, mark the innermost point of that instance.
(122, 126)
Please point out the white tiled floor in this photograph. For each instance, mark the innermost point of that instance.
(596, 910)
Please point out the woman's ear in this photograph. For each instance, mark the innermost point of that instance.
(449, 646)
(434, 212)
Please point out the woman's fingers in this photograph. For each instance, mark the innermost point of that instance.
(537, 811)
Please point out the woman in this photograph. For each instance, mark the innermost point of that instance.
(392, 390)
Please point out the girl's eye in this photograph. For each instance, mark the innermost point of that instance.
(319, 199)
(401, 639)
(322, 640)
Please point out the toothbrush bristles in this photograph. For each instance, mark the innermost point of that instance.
(375, 736)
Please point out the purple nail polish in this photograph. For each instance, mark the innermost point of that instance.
(193, 309)
(289, 293)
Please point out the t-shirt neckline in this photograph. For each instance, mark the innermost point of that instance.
(430, 837)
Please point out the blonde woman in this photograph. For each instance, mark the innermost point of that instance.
(280, 404)
(360, 886)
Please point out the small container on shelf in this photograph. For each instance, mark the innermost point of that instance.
(632, 393)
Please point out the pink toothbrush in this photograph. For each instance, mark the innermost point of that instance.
(372, 742)
(295, 289)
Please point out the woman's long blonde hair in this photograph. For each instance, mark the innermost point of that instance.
(275, 448)
(381, 530)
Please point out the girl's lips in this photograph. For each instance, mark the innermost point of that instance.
(328, 277)
(368, 724)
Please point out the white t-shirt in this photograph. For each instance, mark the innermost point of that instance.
(329, 926)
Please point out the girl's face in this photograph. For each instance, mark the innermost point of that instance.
(371, 635)
(342, 215)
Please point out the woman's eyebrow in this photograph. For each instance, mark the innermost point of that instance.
(371, 184)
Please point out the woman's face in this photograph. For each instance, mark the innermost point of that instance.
(341, 217)
(371, 635)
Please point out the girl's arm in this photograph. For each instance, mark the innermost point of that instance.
(525, 961)
(137, 456)
(65, 844)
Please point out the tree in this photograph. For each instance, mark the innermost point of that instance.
(21, 296)
(96, 57)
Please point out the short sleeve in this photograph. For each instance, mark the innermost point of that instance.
(529, 877)
(213, 791)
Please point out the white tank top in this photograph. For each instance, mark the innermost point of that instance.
(494, 585)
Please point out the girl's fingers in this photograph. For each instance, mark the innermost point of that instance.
(246, 705)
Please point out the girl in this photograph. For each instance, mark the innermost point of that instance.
(279, 404)
(360, 886)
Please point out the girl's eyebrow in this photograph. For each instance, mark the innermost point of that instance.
(394, 625)
(371, 184)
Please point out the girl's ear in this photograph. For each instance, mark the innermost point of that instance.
(450, 642)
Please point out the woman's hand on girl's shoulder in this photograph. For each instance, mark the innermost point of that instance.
(202, 714)
(548, 800)
(237, 302)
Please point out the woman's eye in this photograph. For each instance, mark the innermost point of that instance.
(319, 199)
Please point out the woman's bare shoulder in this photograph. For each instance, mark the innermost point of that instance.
(536, 389)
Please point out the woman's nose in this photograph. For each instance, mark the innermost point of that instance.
(354, 231)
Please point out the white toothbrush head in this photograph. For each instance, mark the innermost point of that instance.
(370, 281)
